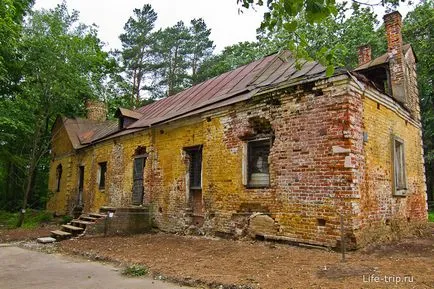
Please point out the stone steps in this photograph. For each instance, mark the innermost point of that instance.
(58, 234)
(87, 218)
(97, 215)
(72, 229)
(76, 226)
(81, 223)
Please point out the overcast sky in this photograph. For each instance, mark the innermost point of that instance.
(227, 25)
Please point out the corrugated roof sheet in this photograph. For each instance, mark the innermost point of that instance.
(268, 71)
(234, 86)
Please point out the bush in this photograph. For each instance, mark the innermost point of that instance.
(32, 218)
(135, 270)
(431, 216)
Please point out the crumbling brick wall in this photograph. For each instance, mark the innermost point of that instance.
(319, 165)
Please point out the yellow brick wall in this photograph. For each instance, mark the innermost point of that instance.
(319, 166)
(62, 153)
(378, 204)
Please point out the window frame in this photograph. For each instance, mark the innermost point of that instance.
(190, 151)
(59, 171)
(102, 175)
(247, 170)
(398, 189)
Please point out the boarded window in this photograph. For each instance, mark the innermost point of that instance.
(257, 163)
(195, 167)
(102, 173)
(58, 177)
(400, 181)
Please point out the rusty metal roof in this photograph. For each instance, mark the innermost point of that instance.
(128, 113)
(239, 84)
(231, 87)
(83, 131)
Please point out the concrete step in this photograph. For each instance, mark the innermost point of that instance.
(72, 229)
(96, 215)
(81, 223)
(46, 240)
(57, 234)
(87, 218)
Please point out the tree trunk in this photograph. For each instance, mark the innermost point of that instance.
(35, 155)
(26, 196)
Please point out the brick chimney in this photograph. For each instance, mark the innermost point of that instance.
(96, 110)
(393, 24)
(365, 54)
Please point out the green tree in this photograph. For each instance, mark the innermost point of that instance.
(136, 53)
(11, 17)
(201, 46)
(290, 15)
(334, 40)
(171, 50)
(63, 65)
(419, 31)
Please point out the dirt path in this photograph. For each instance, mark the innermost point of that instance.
(199, 261)
(20, 268)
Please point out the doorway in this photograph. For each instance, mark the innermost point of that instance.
(138, 171)
(195, 184)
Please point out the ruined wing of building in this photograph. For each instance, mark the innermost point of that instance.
(266, 149)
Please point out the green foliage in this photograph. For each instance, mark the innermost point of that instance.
(431, 216)
(334, 41)
(178, 52)
(159, 63)
(136, 54)
(135, 270)
(11, 16)
(288, 16)
(33, 219)
(62, 64)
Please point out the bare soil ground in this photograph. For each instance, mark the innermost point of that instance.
(218, 263)
(23, 234)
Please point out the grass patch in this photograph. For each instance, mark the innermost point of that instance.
(431, 216)
(135, 270)
(32, 219)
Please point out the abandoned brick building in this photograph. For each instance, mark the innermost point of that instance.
(266, 139)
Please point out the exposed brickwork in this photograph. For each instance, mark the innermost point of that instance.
(330, 156)
(319, 166)
(96, 110)
(364, 54)
(393, 25)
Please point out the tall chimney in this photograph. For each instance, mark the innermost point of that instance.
(365, 54)
(96, 110)
(393, 24)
